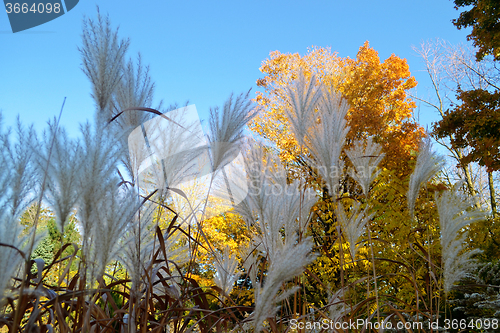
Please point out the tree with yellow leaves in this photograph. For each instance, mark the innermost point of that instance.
(376, 91)
(380, 115)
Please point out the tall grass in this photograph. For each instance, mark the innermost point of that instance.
(138, 262)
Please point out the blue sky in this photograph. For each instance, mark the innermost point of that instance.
(202, 51)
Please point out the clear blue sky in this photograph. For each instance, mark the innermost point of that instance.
(202, 51)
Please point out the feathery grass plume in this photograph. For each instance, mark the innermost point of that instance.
(193, 199)
(354, 226)
(5, 177)
(135, 89)
(288, 206)
(269, 235)
(456, 211)
(114, 216)
(428, 164)
(10, 259)
(337, 308)
(172, 145)
(13, 242)
(326, 139)
(226, 128)
(286, 264)
(138, 152)
(138, 244)
(304, 96)
(102, 55)
(19, 180)
(5, 167)
(100, 155)
(62, 172)
(365, 160)
(229, 187)
(257, 171)
(226, 265)
(272, 204)
(251, 263)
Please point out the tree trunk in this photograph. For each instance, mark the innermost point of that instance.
(492, 195)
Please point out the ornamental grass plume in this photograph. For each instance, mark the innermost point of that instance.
(273, 204)
(135, 89)
(138, 152)
(15, 245)
(105, 210)
(63, 171)
(226, 128)
(137, 245)
(337, 308)
(326, 139)
(288, 208)
(11, 259)
(174, 149)
(97, 180)
(102, 55)
(304, 95)
(114, 217)
(17, 182)
(428, 164)
(456, 211)
(280, 212)
(354, 226)
(365, 159)
(287, 263)
(251, 263)
(5, 172)
(257, 172)
(226, 265)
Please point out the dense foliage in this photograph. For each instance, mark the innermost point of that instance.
(483, 18)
